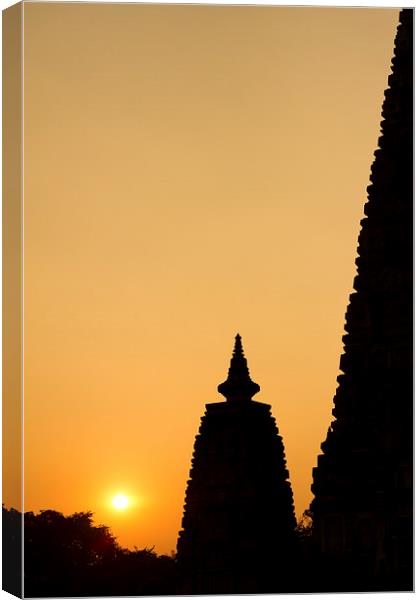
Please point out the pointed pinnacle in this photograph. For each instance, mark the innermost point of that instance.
(238, 349)
(238, 385)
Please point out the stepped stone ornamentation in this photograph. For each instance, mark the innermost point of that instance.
(239, 524)
(363, 483)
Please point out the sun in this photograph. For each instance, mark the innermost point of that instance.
(120, 501)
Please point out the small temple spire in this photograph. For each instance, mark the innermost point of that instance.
(238, 385)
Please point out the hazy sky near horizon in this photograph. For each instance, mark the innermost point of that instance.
(190, 172)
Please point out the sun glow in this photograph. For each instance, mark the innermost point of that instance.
(120, 501)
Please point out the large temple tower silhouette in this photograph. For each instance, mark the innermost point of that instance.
(363, 484)
(239, 524)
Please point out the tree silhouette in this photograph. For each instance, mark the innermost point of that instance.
(70, 556)
(12, 551)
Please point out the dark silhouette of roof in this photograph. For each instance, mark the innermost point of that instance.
(238, 528)
(362, 510)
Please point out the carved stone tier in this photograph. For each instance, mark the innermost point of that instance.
(362, 510)
(239, 521)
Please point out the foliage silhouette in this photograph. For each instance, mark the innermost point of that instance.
(12, 551)
(70, 556)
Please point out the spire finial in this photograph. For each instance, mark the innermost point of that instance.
(238, 385)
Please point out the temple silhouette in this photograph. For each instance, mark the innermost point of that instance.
(239, 523)
(239, 530)
(363, 483)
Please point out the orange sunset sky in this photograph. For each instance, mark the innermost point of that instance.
(190, 172)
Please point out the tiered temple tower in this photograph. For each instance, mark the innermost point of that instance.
(239, 524)
(362, 511)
